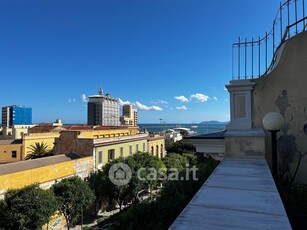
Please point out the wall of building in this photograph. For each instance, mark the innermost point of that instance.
(20, 115)
(247, 147)
(156, 146)
(284, 91)
(46, 175)
(108, 133)
(7, 155)
(23, 149)
(71, 141)
(14, 132)
(30, 139)
(128, 148)
(16, 115)
(5, 119)
(103, 110)
(19, 130)
(130, 116)
(6, 133)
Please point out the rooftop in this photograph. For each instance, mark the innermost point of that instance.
(10, 141)
(36, 163)
(51, 128)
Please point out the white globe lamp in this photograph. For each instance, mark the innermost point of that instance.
(273, 122)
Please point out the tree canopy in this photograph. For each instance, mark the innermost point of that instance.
(141, 165)
(181, 147)
(27, 208)
(173, 197)
(73, 196)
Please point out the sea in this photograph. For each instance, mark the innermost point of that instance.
(197, 128)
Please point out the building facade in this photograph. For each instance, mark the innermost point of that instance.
(44, 171)
(156, 145)
(103, 110)
(103, 150)
(10, 151)
(16, 115)
(130, 116)
(5, 116)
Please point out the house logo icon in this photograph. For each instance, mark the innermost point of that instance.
(120, 174)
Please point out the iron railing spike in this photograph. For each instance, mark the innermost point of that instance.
(263, 42)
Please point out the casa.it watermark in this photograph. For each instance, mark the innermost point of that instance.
(120, 174)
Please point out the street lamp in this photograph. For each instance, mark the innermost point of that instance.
(160, 125)
(273, 122)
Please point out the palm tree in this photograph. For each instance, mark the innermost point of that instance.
(39, 150)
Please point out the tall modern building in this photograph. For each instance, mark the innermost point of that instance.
(130, 116)
(102, 110)
(16, 115)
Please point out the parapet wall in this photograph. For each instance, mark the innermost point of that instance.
(284, 91)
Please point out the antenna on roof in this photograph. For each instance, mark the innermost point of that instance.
(100, 91)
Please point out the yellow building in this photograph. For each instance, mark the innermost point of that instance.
(10, 151)
(104, 149)
(44, 171)
(17, 149)
(30, 139)
(156, 145)
(110, 145)
(104, 131)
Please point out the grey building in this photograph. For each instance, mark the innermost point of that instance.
(103, 110)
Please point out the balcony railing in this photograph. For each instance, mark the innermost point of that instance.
(256, 57)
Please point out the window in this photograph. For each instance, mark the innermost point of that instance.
(121, 151)
(152, 150)
(130, 149)
(14, 154)
(100, 157)
(111, 154)
(143, 147)
(137, 148)
(157, 151)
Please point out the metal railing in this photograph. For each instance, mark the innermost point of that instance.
(255, 58)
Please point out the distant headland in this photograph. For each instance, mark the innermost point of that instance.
(213, 122)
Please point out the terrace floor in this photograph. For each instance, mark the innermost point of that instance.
(240, 194)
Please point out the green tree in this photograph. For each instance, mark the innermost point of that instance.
(171, 200)
(74, 196)
(27, 208)
(39, 150)
(181, 147)
(168, 143)
(177, 161)
(152, 168)
(105, 189)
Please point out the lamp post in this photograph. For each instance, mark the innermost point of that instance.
(273, 122)
(161, 125)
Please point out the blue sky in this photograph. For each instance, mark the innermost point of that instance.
(170, 58)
